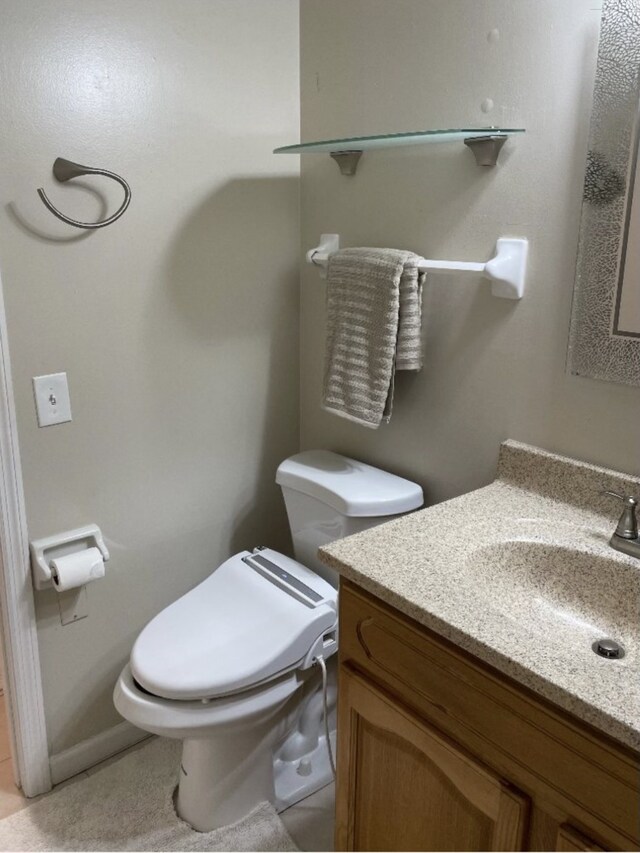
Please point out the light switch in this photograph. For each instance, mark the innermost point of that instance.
(52, 399)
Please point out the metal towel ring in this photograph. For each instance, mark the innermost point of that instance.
(64, 170)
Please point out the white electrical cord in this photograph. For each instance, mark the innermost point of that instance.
(323, 667)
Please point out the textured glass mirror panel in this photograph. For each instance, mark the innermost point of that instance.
(605, 327)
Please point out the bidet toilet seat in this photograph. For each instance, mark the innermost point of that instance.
(193, 719)
(252, 620)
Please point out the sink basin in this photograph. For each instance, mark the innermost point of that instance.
(520, 574)
(567, 595)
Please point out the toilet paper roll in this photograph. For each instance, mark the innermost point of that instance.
(75, 570)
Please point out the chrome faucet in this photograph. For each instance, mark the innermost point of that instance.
(625, 536)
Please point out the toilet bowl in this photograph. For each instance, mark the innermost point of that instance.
(227, 753)
(231, 668)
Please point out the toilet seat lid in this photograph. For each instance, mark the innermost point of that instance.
(254, 617)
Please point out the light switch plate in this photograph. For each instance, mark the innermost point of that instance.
(53, 404)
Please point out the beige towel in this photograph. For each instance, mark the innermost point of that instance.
(374, 308)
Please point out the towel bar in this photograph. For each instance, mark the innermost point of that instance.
(506, 269)
(65, 170)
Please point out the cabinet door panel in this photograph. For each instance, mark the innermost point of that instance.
(403, 786)
(569, 840)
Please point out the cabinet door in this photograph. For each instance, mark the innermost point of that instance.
(569, 840)
(403, 786)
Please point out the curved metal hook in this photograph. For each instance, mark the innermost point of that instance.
(64, 170)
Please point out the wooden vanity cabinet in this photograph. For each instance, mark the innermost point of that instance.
(411, 789)
(438, 751)
(570, 840)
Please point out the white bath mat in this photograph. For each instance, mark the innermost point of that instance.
(129, 806)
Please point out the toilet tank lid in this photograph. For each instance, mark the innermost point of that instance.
(350, 487)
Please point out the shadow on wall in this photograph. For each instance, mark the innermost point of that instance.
(225, 313)
(233, 292)
(224, 259)
(34, 219)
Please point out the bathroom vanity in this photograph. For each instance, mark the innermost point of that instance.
(473, 712)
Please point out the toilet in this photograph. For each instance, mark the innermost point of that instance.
(232, 668)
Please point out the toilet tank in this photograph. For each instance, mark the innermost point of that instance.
(329, 496)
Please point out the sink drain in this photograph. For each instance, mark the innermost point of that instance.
(608, 649)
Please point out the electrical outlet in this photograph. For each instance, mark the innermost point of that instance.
(53, 404)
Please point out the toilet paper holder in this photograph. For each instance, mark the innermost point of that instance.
(50, 547)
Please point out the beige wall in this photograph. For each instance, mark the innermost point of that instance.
(177, 325)
(493, 368)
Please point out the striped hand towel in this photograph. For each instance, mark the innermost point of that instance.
(374, 309)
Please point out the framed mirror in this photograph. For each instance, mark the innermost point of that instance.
(604, 341)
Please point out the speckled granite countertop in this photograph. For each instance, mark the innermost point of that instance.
(531, 584)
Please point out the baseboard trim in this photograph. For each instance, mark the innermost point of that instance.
(87, 753)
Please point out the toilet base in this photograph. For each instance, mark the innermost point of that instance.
(280, 757)
(238, 751)
(222, 779)
(301, 763)
(295, 780)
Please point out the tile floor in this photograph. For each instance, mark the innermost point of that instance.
(310, 822)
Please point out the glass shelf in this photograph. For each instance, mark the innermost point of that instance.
(485, 142)
(390, 140)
